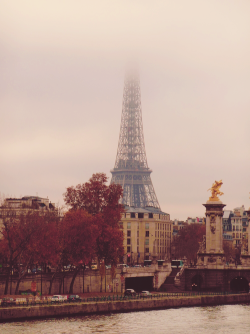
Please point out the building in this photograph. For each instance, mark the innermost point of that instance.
(147, 235)
(237, 228)
(147, 230)
(196, 220)
(26, 203)
(227, 225)
(177, 225)
(21, 206)
(235, 225)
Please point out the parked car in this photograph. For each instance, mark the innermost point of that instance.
(145, 294)
(129, 292)
(74, 298)
(8, 301)
(108, 266)
(122, 265)
(57, 298)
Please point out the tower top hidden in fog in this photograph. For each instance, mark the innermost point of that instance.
(131, 167)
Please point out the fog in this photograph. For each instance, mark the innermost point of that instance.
(62, 66)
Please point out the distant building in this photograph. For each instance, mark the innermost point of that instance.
(196, 220)
(227, 225)
(27, 203)
(177, 225)
(235, 225)
(147, 234)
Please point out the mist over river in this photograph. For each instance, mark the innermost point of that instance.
(208, 320)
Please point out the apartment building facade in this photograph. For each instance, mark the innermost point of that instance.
(147, 235)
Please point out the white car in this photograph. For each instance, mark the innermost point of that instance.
(146, 294)
(57, 298)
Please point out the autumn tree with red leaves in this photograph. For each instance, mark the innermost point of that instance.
(16, 233)
(80, 229)
(186, 243)
(101, 201)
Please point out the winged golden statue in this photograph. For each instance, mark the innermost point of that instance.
(215, 191)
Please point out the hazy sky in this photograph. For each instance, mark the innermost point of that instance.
(61, 84)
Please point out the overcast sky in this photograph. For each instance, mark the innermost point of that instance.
(62, 69)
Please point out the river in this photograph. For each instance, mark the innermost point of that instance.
(211, 319)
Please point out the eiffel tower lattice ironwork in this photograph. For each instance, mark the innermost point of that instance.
(131, 167)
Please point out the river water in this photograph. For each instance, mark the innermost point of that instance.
(215, 319)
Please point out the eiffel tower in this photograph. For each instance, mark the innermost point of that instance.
(131, 166)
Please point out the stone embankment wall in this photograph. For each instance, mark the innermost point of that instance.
(92, 280)
(15, 313)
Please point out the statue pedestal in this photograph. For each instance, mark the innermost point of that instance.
(245, 260)
(211, 260)
(211, 254)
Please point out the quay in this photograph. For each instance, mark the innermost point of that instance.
(119, 305)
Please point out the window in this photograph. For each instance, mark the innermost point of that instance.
(147, 226)
(128, 249)
(129, 233)
(146, 241)
(137, 234)
(147, 234)
(137, 241)
(137, 225)
(140, 215)
(147, 250)
(150, 215)
(128, 241)
(233, 235)
(128, 226)
(121, 225)
(138, 250)
(132, 215)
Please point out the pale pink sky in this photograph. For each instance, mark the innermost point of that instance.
(62, 70)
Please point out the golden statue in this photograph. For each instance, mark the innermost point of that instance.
(215, 191)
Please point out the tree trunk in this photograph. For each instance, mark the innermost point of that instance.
(73, 279)
(61, 282)
(51, 281)
(7, 280)
(83, 268)
(18, 283)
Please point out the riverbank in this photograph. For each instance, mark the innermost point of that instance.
(117, 306)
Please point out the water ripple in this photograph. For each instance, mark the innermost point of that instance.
(209, 320)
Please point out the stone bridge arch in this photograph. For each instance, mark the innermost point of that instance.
(239, 284)
(197, 282)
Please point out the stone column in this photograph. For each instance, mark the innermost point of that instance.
(214, 230)
(211, 254)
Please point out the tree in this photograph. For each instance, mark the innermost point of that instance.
(45, 245)
(101, 201)
(80, 231)
(16, 233)
(229, 250)
(186, 243)
(94, 196)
